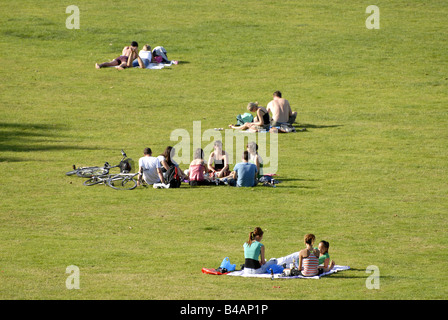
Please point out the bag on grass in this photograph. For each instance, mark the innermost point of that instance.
(172, 177)
(243, 118)
(227, 265)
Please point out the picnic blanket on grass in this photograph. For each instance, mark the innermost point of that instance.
(241, 273)
(159, 65)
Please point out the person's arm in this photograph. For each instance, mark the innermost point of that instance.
(159, 172)
(259, 119)
(326, 262)
(226, 162)
(289, 109)
(132, 55)
(263, 260)
(300, 261)
(210, 161)
(140, 175)
(140, 62)
(165, 165)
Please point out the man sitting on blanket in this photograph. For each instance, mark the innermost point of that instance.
(244, 174)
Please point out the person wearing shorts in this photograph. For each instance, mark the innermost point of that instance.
(124, 60)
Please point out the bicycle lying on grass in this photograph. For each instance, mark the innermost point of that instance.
(87, 172)
(120, 181)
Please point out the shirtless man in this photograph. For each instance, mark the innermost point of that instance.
(128, 55)
(281, 110)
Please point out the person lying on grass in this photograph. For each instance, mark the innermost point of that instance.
(128, 55)
(261, 121)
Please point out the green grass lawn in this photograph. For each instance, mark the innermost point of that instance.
(368, 175)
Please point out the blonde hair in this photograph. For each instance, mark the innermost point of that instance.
(252, 105)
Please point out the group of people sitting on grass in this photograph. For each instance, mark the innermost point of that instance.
(309, 261)
(281, 121)
(158, 171)
(132, 58)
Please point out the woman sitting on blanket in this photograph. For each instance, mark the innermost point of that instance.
(197, 169)
(253, 249)
(324, 257)
(255, 158)
(218, 162)
(166, 161)
(308, 258)
(261, 121)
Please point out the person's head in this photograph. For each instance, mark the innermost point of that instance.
(252, 147)
(277, 94)
(217, 145)
(146, 47)
(168, 154)
(134, 44)
(246, 156)
(147, 151)
(255, 235)
(198, 154)
(309, 239)
(252, 106)
(324, 246)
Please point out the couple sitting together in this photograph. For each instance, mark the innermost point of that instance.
(282, 116)
(244, 174)
(309, 261)
(131, 58)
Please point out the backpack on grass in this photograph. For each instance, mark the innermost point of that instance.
(172, 177)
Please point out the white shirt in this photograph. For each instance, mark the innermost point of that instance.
(150, 165)
(145, 54)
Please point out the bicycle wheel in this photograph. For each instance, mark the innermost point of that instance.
(122, 182)
(94, 180)
(70, 173)
(92, 171)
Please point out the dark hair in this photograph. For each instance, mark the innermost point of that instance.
(134, 44)
(309, 238)
(278, 94)
(246, 155)
(257, 232)
(147, 151)
(326, 244)
(167, 154)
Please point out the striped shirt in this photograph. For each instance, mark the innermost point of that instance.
(310, 265)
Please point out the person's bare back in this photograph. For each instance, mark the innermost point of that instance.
(281, 110)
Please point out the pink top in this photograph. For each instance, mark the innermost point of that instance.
(196, 172)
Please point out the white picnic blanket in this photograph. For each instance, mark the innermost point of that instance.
(241, 273)
(159, 65)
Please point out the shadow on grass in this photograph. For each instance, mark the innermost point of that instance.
(315, 126)
(23, 138)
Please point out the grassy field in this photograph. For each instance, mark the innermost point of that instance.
(368, 175)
